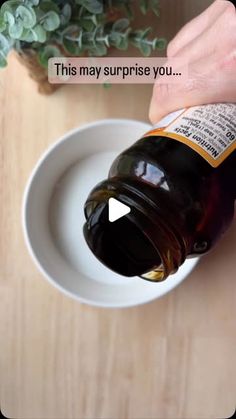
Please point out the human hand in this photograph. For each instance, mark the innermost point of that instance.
(208, 43)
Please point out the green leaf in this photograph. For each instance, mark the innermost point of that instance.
(145, 33)
(94, 19)
(26, 15)
(93, 6)
(120, 25)
(9, 6)
(159, 43)
(4, 43)
(144, 6)
(107, 85)
(115, 38)
(123, 44)
(51, 21)
(31, 2)
(8, 18)
(15, 31)
(47, 52)
(2, 24)
(155, 7)
(98, 51)
(71, 47)
(71, 30)
(48, 6)
(28, 36)
(39, 33)
(106, 40)
(86, 24)
(128, 10)
(3, 61)
(145, 49)
(66, 14)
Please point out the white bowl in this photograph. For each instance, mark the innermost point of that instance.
(53, 216)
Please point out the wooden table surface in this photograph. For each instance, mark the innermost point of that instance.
(172, 358)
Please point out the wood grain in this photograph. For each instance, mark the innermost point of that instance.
(172, 358)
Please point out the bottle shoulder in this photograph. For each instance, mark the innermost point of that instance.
(156, 158)
(172, 173)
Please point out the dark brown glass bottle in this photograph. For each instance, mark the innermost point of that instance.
(180, 202)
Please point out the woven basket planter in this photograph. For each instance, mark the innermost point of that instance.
(29, 59)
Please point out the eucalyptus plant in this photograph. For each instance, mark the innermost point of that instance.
(73, 27)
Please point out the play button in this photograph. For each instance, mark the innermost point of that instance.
(116, 209)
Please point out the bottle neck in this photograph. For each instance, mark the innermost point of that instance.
(170, 247)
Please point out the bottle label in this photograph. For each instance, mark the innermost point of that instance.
(210, 130)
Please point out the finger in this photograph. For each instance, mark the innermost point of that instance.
(209, 81)
(197, 26)
(207, 42)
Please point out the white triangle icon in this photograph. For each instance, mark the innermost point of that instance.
(116, 209)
